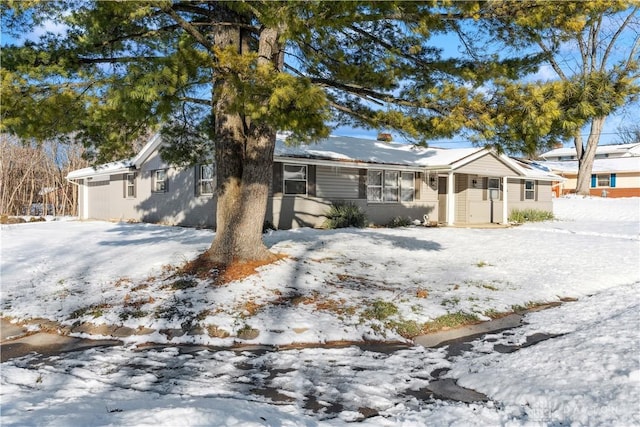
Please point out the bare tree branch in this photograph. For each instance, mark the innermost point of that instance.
(615, 37)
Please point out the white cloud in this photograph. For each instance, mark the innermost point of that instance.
(545, 73)
(48, 26)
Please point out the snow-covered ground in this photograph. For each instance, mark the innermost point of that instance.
(329, 289)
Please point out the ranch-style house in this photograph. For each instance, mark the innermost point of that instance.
(463, 186)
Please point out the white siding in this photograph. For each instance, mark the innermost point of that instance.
(486, 165)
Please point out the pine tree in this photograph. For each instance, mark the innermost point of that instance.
(594, 50)
(223, 77)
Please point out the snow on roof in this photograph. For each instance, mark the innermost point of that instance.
(619, 164)
(346, 149)
(105, 169)
(371, 151)
(120, 165)
(536, 170)
(618, 149)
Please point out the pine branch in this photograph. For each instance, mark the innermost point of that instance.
(140, 35)
(188, 27)
(361, 91)
(388, 46)
(192, 100)
(120, 59)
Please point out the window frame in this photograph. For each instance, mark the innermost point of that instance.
(391, 186)
(155, 181)
(601, 178)
(202, 181)
(130, 185)
(530, 193)
(375, 186)
(495, 187)
(304, 180)
(411, 188)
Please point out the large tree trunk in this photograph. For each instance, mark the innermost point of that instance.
(244, 160)
(586, 155)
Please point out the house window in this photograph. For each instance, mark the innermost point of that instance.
(160, 181)
(603, 180)
(529, 190)
(374, 186)
(493, 187)
(390, 186)
(206, 176)
(295, 179)
(130, 185)
(494, 184)
(408, 186)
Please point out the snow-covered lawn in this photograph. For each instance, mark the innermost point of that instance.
(335, 285)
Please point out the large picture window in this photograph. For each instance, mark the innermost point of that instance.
(390, 186)
(206, 183)
(295, 179)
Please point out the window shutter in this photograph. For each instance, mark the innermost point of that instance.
(277, 179)
(485, 187)
(311, 180)
(536, 184)
(523, 189)
(362, 183)
(594, 181)
(417, 185)
(612, 182)
(124, 186)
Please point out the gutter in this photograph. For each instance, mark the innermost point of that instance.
(345, 162)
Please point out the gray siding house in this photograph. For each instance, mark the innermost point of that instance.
(449, 186)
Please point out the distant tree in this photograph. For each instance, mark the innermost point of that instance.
(33, 175)
(629, 134)
(593, 48)
(226, 76)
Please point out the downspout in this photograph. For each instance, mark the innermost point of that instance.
(505, 200)
(451, 203)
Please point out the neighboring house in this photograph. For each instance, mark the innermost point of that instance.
(615, 173)
(387, 180)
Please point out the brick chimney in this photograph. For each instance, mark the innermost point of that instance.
(386, 137)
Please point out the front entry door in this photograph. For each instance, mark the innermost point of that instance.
(442, 199)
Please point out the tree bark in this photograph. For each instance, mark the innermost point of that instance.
(586, 155)
(244, 159)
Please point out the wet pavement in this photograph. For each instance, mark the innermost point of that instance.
(16, 342)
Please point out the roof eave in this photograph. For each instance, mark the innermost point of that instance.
(344, 163)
